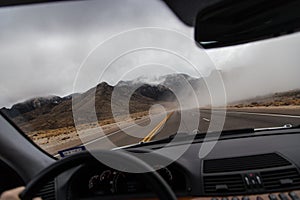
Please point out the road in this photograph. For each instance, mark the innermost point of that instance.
(165, 126)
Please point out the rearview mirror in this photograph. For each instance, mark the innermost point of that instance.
(232, 22)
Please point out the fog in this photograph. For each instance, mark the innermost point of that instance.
(260, 68)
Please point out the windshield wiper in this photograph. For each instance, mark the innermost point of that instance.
(238, 131)
(225, 133)
(286, 126)
(181, 137)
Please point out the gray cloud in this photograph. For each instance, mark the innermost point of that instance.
(42, 46)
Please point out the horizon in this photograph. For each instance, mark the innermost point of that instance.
(143, 81)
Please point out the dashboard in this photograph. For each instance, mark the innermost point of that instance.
(238, 168)
(100, 181)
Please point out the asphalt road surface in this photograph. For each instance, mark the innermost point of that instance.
(164, 126)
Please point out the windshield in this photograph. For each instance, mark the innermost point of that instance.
(106, 74)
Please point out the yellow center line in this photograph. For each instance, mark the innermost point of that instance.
(155, 130)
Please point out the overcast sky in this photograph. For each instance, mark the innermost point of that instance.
(42, 46)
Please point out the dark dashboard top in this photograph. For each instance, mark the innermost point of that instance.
(265, 158)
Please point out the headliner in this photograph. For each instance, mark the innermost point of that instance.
(186, 10)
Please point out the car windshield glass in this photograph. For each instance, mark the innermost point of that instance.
(106, 74)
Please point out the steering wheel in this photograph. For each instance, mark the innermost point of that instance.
(159, 185)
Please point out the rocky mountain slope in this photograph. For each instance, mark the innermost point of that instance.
(53, 112)
(45, 113)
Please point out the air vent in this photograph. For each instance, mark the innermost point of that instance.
(244, 163)
(227, 184)
(48, 191)
(281, 179)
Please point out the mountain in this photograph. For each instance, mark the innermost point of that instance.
(53, 112)
(45, 103)
(289, 98)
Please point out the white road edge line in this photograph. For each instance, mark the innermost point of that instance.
(234, 112)
(264, 114)
(101, 138)
(113, 133)
(205, 119)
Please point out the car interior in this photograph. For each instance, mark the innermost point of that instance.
(244, 164)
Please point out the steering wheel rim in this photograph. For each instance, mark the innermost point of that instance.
(159, 185)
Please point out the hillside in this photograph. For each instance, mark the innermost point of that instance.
(45, 113)
(53, 112)
(289, 98)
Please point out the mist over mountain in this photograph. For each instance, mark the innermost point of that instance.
(53, 112)
(56, 112)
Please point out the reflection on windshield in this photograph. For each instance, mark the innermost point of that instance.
(261, 80)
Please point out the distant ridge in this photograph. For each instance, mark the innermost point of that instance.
(56, 112)
(52, 112)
